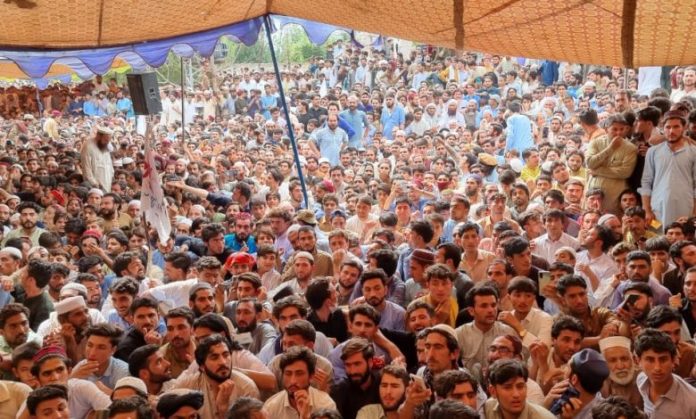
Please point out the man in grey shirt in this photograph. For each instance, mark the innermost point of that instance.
(665, 395)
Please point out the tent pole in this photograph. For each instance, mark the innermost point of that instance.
(291, 131)
(183, 100)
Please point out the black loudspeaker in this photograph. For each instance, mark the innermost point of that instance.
(145, 94)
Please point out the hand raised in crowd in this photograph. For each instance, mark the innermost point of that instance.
(302, 403)
(225, 390)
(152, 337)
(68, 332)
(85, 370)
(508, 318)
(7, 284)
(320, 379)
(609, 329)
(555, 393)
(572, 408)
(675, 301)
(416, 395)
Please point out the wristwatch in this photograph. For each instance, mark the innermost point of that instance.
(523, 333)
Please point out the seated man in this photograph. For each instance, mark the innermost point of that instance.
(50, 401)
(392, 390)
(588, 370)
(439, 280)
(214, 357)
(507, 386)
(298, 399)
(301, 333)
(474, 337)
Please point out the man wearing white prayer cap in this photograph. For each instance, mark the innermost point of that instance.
(97, 167)
(69, 290)
(622, 370)
(10, 259)
(73, 316)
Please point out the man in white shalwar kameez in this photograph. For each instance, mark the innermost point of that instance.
(97, 167)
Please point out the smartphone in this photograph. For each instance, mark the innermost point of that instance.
(544, 279)
(419, 381)
(629, 300)
(569, 393)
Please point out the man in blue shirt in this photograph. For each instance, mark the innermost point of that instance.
(519, 130)
(393, 116)
(330, 140)
(268, 101)
(124, 105)
(357, 121)
(90, 108)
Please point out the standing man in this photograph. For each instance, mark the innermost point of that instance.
(519, 130)
(393, 116)
(668, 186)
(330, 140)
(357, 120)
(611, 159)
(96, 160)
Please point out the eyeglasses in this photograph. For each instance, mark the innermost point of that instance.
(502, 350)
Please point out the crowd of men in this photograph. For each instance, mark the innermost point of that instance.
(472, 236)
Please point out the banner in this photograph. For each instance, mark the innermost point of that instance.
(153, 203)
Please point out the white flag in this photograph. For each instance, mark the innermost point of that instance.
(154, 205)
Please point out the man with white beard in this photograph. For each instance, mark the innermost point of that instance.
(622, 370)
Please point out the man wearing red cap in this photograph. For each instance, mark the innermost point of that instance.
(51, 365)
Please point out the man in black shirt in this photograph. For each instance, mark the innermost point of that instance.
(325, 317)
(34, 280)
(361, 386)
(144, 311)
(687, 305)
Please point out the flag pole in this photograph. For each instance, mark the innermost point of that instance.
(291, 130)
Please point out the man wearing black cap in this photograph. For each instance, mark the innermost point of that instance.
(180, 404)
(587, 373)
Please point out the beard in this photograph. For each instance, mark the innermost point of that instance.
(28, 225)
(220, 376)
(107, 214)
(623, 377)
(18, 340)
(360, 379)
(395, 406)
(248, 328)
(179, 343)
(160, 378)
(102, 145)
(345, 284)
(375, 301)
